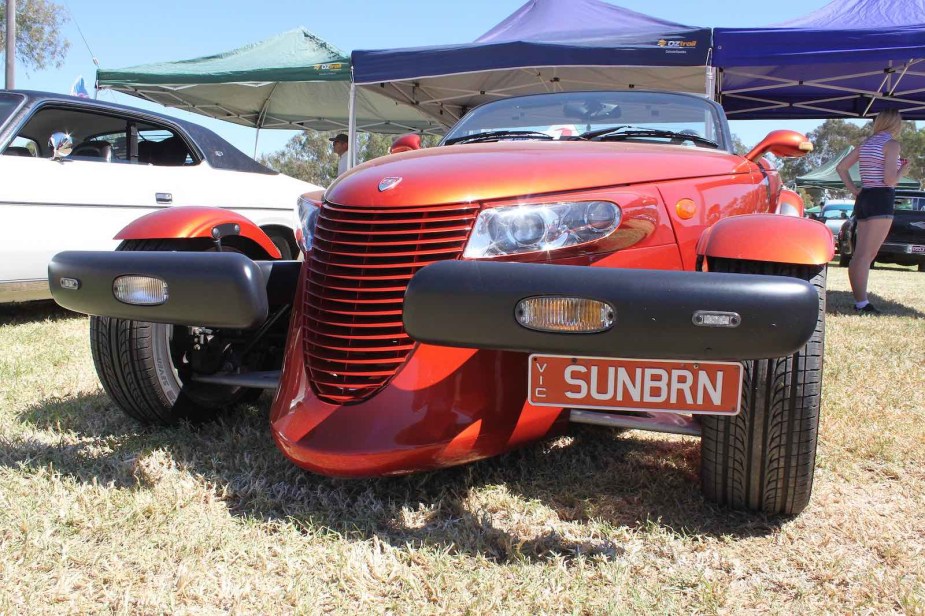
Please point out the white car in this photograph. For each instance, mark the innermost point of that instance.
(123, 163)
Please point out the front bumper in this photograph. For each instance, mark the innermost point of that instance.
(462, 393)
(471, 304)
(213, 289)
(913, 253)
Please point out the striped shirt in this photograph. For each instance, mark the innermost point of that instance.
(871, 160)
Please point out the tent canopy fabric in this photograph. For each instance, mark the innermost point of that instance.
(294, 80)
(851, 58)
(827, 177)
(544, 46)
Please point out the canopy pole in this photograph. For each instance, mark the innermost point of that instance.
(352, 124)
(261, 117)
(710, 77)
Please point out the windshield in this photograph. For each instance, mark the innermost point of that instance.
(837, 212)
(8, 104)
(660, 117)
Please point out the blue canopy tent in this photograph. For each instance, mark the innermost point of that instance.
(544, 46)
(851, 58)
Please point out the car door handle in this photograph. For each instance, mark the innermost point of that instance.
(163, 197)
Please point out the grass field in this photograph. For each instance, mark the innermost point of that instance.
(101, 515)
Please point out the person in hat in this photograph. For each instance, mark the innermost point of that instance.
(340, 144)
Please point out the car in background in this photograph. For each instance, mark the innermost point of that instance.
(109, 165)
(834, 214)
(904, 244)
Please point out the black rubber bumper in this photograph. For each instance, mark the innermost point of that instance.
(472, 304)
(209, 289)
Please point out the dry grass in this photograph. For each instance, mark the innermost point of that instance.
(99, 515)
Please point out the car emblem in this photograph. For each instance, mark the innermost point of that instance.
(388, 184)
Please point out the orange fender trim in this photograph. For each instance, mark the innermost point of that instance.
(189, 222)
(768, 237)
(790, 203)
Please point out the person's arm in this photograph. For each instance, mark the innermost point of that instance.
(842, 168)
(891, 169)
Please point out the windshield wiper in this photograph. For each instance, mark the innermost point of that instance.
(627, 132)
(496, 135)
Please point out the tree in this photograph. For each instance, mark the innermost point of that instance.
(39, 42)
(308, 155)
(829, 140)
(738, 146)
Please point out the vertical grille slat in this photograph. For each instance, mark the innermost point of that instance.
(356, 276)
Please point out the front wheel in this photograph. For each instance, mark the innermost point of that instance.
(763, 459)
(148, 369)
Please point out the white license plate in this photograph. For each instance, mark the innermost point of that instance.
(651, 385)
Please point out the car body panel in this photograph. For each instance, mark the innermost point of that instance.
(195, 222)
(546, 167)
(772, 238)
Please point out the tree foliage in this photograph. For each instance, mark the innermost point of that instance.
(308, 156)
(39, 42)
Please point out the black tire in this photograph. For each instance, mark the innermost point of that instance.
(844, 260)
(763, 459)
(282, 244)
(922, 267)
(144, 367)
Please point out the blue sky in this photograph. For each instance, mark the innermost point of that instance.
(122, 33)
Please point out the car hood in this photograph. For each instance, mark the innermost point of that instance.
(482, 172)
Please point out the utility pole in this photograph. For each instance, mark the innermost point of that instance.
(10, 44)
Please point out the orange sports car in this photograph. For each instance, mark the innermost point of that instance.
(589, 257)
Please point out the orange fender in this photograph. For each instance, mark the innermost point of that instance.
(406, 143)
(768, 237)
(790, 203)
(189, 222)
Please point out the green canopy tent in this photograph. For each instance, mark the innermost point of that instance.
(293, 81)
(827, 177)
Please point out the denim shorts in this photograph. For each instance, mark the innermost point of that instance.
(874, 203)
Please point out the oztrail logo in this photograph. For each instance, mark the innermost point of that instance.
(664, 43)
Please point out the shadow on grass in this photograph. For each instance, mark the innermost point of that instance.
(842, 302)
(598, 480)
(32, 312)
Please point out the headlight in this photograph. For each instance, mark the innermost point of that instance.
(531, 228)
(307, 211)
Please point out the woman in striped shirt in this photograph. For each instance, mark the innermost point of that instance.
(881, 168)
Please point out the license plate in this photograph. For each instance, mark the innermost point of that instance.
(915, 248)
(650, 385)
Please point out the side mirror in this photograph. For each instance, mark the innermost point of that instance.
(783, 143)
(406, 143)
(61, 145)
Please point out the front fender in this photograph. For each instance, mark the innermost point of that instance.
(195, 222)
(790, 203)
(768, 237)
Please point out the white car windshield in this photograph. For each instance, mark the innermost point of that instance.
(659, 117)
